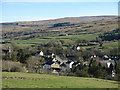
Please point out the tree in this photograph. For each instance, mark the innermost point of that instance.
(22, 56)
(93, 67)
(117, 73)
(62, 41)
(96, 69)
(82, 73)
(35, 64)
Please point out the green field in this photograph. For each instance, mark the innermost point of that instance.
(71, 39)
(29, 80)
(111, 44)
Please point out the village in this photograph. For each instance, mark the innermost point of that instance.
(54, 63)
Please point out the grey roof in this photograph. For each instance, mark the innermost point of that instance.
(75, 63)
(59, 59)
(68, 62)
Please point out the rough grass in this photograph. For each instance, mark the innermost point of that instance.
(53, 81)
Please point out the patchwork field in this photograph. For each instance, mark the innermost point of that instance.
(29, 80)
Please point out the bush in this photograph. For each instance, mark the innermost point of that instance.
(81, 73)
(108, 77)
(10, 66)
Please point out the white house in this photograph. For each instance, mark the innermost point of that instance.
(41, 53)
(69, 64)
(108, 64)
(78, 48)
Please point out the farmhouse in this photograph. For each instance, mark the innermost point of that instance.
(41, 53)
(78, 48)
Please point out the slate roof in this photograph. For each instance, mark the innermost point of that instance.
(68, 62)
(75, 63)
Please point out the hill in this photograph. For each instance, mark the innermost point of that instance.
(35, 32)
(60, 20)
(29, 80)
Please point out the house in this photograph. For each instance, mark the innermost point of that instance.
(107, 63)
(115, 58)
(86, 63)
(110, 59)
(41, 53)
(63, 65)
(93, 56)
(75, 64)
(59, 59)
(54, 60)
(55, 65)
(48, 64)
(80, 66)
(78, 48)
(51, 55)
(105, 57)
(69, 64)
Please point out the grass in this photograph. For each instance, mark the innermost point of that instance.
(111, 44)
(105, 44)
(67, 39)
(54, 81)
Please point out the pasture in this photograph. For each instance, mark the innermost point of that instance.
(30, 80)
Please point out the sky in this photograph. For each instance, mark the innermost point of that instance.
(33, 11)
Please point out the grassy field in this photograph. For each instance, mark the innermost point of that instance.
(29, 80)
(71, 39)
(111, 44)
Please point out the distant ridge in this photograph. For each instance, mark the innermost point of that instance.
(60, 20)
